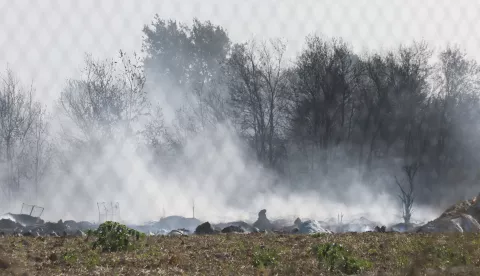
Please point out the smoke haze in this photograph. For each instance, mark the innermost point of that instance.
(210, 169)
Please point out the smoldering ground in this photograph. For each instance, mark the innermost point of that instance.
(194, 154)
(213, 177)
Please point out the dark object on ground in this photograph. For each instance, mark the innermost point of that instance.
(9, 224)
(245, 226)
(26, 220)
(204, 229)
(263, 223)
(380, 229)
(233, 229)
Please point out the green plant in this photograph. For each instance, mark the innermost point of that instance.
(263, 257)
(70, 257)
(92, 259)
(337, 258)
(450, 257)
(113, 236)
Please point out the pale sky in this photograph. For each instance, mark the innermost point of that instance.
(45, 41)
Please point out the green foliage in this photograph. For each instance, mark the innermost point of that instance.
(92, 259)
(70, 257)
(263, 257)
(113, 236)
(337, 258)
(449, 256)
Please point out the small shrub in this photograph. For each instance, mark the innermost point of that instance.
(263, 257)
(113, 236)
(450, 257)
(92, 259)
(70, 257)
(336, 258)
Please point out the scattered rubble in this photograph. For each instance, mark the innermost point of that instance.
(23, 219)
(233, 229)
(26, 225)
(167, 224)
(461, 217)
(460, 223)
(247, 228)
(179, 232)
(403, 227)
(357, 225)
(311, 227)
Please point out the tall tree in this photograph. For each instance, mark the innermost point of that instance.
(41, 151)
(323, 96)
(188, 59)
(108, 100)
(18, 112)
(258, 83)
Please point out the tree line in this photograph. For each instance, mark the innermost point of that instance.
(406, 117)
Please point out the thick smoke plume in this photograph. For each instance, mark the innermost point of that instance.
(186, 153)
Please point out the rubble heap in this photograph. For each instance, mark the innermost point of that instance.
(461, 217)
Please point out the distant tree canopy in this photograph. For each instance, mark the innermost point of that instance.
(308, 119)
(188, 56)
(331, 108)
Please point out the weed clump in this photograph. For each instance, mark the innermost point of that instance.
(70, 257)
(263, 257)
(337, 258)
(113, 236)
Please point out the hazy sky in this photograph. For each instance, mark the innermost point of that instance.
(44, 41)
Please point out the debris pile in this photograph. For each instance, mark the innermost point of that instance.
(26, 225)
(311, 227)
(461, 217)
(204, 229)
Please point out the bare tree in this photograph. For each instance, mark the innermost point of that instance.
(407, 196)
(109, 97)
(17, 115)
(159, 140)
(257, 83)
(41, 150)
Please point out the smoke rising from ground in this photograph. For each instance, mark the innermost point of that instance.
(210, 167)
(214, 175)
